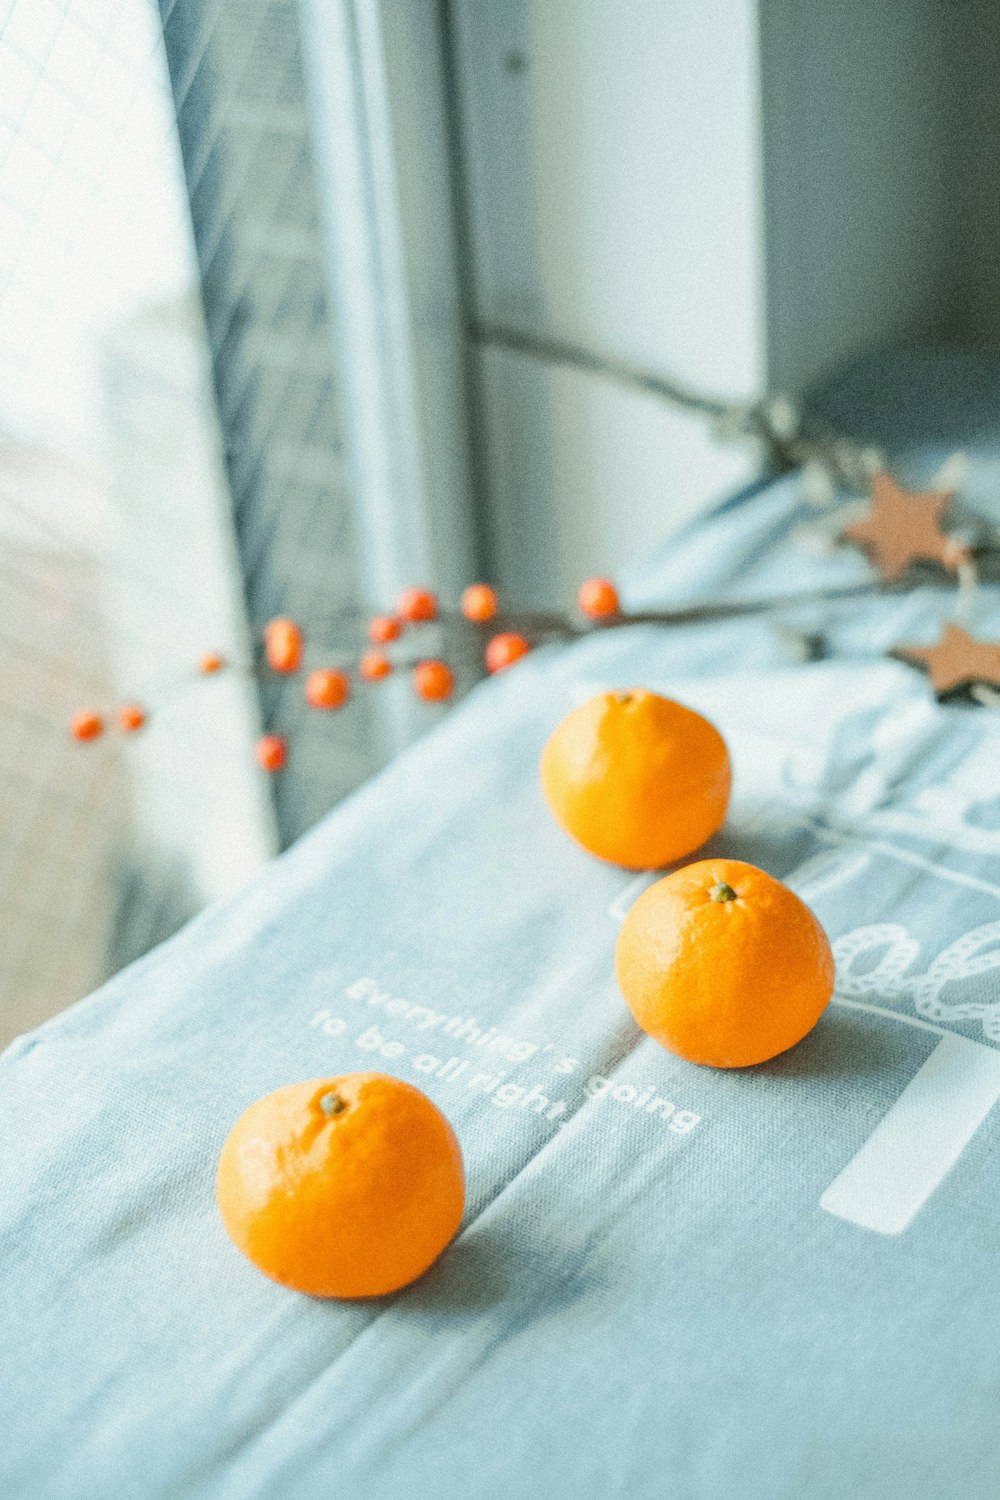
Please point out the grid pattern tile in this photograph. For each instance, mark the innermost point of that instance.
(237, 75)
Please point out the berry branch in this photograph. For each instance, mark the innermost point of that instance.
(500, 639)
(902, 534)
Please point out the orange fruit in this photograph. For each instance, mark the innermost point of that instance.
(479, 602)
(598, 599)
(433, 681)
(417, 605)
(327, 688)
(637, 779)
(271, 752)
(722, 964)
(504, 650)
(342, 1187)
(211, 662)
(283, 645)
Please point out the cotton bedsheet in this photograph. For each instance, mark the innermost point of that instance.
(671, 1282)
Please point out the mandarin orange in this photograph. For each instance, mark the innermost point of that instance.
(637, 779)
(723, 964)
(342, 1187)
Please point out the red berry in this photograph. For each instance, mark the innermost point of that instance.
(479, 602)
(213, 662)
(504, 650)
(131, 717)
(383, 629)
(433, 681)
(598, 599)
(373, 665)
(326, 688)
(417, 605)
(86, 725)
(272, 752)
(283, 645)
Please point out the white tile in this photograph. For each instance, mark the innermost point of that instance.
(32, 28)
(74, 59)
(17, 81)
(25, 174)
(49, 117)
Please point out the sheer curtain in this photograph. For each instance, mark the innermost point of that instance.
(118, 567)
(231, 387)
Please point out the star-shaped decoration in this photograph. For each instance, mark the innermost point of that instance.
(957, 661)
(905, 527)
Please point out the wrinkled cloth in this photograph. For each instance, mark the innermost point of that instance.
(671, 1282)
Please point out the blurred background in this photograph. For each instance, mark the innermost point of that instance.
(270, 271)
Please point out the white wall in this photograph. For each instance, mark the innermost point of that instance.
(735, 192)
(612, 170)
(973, 70)
(860, 146)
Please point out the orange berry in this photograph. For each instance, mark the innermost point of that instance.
(417, 605)
(373, 665)
(433, 680)
(723, 964)
(131, 717)
(383, 629)
(327, 688)
(636, 779)
(479, 602)
(213, 662)
(342, 1187)
(504, 650)
(272, 752)
(283, 645)
(86, 725)
(598, 599)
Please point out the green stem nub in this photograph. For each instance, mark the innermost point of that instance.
(332, 1103)
(722, 892)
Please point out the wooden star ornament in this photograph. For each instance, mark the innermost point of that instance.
(957, 661)
(905, 527)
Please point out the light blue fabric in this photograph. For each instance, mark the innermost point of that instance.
(660, 1290)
